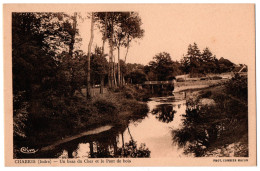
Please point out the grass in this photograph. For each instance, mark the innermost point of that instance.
(196, 85)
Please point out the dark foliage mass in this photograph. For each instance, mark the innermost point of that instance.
(206, 128)
(237, 87)
(199, 63)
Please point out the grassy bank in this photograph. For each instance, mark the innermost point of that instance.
(60, 118)
(216, 121)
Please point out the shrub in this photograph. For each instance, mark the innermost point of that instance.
(206, 94)
(237, 87)
(105, 107)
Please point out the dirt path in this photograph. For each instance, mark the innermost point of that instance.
(91, 132)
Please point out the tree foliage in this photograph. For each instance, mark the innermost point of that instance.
(196, 62)
(99, 66)
(162, 66)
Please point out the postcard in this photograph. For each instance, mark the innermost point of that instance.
(129, 85)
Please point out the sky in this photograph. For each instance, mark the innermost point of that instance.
(226, 29)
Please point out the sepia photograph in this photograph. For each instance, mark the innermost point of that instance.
(129, 84)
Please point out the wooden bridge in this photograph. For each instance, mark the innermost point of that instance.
(158, 82)
(159, 86)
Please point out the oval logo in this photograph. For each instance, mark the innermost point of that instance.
(26, 150)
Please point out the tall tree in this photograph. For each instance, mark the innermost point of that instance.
(134, 30)
(121, 28)
(89, 53)
(162, 66)
(40, 56)
(73, 33)
(99, 68)
(128, 28)
(111, 49)
(192, 60)
(208, 64)
(103, 51)
(107, 22)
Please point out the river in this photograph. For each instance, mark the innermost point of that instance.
(150, 136)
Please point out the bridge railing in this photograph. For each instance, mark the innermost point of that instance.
(158, 82)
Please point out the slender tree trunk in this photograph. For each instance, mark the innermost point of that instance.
(122, 79)
(118, 67)
(123, 144)
(110, 74)
(105, 34)
(102, 85)
(103, 52)
(71, 45)
(88, 57)
(127, 48)
(114, 72)
(110, 71)
(130, 134)
(71, 48)
(115, 146)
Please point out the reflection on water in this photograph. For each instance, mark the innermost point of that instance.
(148, 136)
(105, 145)
(213, 130)
(164, 112)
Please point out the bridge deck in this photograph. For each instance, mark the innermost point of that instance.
(157, 82)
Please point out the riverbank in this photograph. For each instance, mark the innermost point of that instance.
(216, 120)
(76, 115)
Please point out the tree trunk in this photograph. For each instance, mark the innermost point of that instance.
(127, 48)
(115, 147)
(110, 73)
(88, 57)
(122, 79)
(123, 144)
(102, 85)
(71, 48)
(130, 134)
(71, 45)
(103, 51)
(118, 67)
(114, 72)
(105, 35)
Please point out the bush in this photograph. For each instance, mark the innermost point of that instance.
(237, 87)
(133, 92)
(105, 107)
(206, 94)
